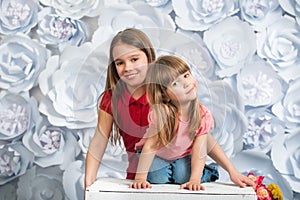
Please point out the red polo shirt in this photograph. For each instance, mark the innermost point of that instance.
(132, 119)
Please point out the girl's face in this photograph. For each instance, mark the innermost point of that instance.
(183, 89)
(131, 64)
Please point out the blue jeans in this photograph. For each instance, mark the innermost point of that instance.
(178, 171)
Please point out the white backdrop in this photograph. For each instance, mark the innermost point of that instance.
(53, 57)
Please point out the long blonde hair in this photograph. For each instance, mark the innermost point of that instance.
(161, 74)
(133, 37)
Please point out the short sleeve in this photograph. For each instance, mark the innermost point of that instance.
(207, 122)
(105, 102)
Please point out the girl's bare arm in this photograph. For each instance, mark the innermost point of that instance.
(147, 155)
(216, 152)
(97, 146)
(199, 153)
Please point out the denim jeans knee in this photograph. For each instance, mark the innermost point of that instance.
(182, 170)
(160, 171)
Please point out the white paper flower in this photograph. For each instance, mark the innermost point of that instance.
(232, 43)
(280, 46)
(15, 159)
(259, 164)
(292, 7)
(228, 113)
(21, 61)
(288, 110)
(76, 9)
(41, 183)
(285, 155)
(263, 127)
(17, 115)
(71, 85)
(260, 13)
(136, 15)
(18, 16)
(258, 84)
(52, 145)
(197, 15)
(60, 31)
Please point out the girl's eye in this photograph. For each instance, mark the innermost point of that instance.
(118, 63)
(134, 59)
(186, 75)
(174, 83)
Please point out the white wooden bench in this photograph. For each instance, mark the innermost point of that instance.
(113, 189)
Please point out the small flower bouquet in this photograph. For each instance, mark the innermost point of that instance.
(263, 192)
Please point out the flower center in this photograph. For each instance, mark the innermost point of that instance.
(256, 9)
(61, 28)
(9, 162)
(213, 6)
(230, 48)
(14, 121)
(47, 194)
(260, 130)
(50, 139)
(258, 89)
(17, 13)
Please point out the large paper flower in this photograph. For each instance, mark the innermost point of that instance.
(281, 47)
(18, 16)
(259, 85)
(263, 127)
(21, 61)
(60, 31)
(260, 13)
(15, 159)
(232, 43)
(200, 15)
(71, 85)
(286, 157)
(288, 110)
(41, 183)
(52, 145)
(76, 9)
(17, 115)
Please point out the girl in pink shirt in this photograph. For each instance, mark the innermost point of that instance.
(177, 140)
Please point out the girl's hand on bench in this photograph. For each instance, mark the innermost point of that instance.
(140, 184)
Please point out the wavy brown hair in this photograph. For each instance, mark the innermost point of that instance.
(161, 74)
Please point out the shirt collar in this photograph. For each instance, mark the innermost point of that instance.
(128, 99)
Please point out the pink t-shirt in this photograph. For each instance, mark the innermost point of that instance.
(181, 145)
